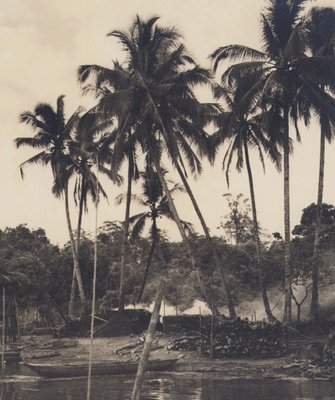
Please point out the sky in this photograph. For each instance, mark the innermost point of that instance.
(42, 44)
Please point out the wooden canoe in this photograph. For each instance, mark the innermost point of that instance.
(12, 356)
(101, 368)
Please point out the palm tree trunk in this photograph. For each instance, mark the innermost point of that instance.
(148, 341)
(149, 260)
(177, 220)
(287, 239)
(316, 250)
(73, 292)
(256, 234)
(77, 273)
(124, 245)
(217, 256)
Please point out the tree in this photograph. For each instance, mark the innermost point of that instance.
(241, 126)
(157, 206)
(156, 102)
(52, 135)
(285, 75)
(320, 25)
(237, 223)
(84, 151)
(29, 257)
(241, 228)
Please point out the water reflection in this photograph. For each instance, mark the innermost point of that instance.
(164, 387)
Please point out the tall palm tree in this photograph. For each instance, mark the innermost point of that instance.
(154, 200)
(320, 26)
(287, 74)
(108, 84)
(242, 128)
(156, 101)
(87, 149)
(52, 137)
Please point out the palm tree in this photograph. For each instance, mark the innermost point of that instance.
(86, 149)
(320, 25)
(154, 200)
(107, 82)
(52, 137)
(242, 128)
(154, 100)
(286, 75)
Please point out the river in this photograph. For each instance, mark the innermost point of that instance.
(169, 386)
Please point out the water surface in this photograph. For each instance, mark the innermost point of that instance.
(168, 386)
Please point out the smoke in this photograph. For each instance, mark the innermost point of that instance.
(254, 309)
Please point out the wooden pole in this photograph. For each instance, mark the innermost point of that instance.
(200, 326)
(164, 315)
(211, 335)
(3, 328)
(95, 262)
(136, 394)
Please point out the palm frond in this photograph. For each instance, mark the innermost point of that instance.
(41, 157)
(236, 52)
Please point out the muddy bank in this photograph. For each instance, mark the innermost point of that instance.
(46, 349)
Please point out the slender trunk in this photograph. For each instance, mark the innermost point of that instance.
(80, 219)
(146, 271)
(298, 313)
(76, 273)
(124, 245)
(174, 211)
(74, 258)
(148, 341)
(256, 235)
(77, 281)
(73, 293)
(177, 220)
(316, 250)
(287, 239)
(57, 307)
(79, 223)
(74, 255)
(217, 256)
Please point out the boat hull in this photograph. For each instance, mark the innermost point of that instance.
(12, 356)
(115, 368)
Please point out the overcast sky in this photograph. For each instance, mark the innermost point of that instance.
(43, 42)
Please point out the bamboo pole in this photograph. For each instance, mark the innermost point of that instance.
(136, 394)
(164, 315)
(95, 262)
(3, 328)
(211, 335)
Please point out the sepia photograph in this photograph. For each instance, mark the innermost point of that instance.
(168, 200)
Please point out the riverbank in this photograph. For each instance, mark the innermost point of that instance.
(46, 349)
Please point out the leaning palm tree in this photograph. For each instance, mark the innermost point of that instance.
(241, 127)
(320, 25)
(284, 70)
(154, 200)
(52, 138)
(156, 101)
